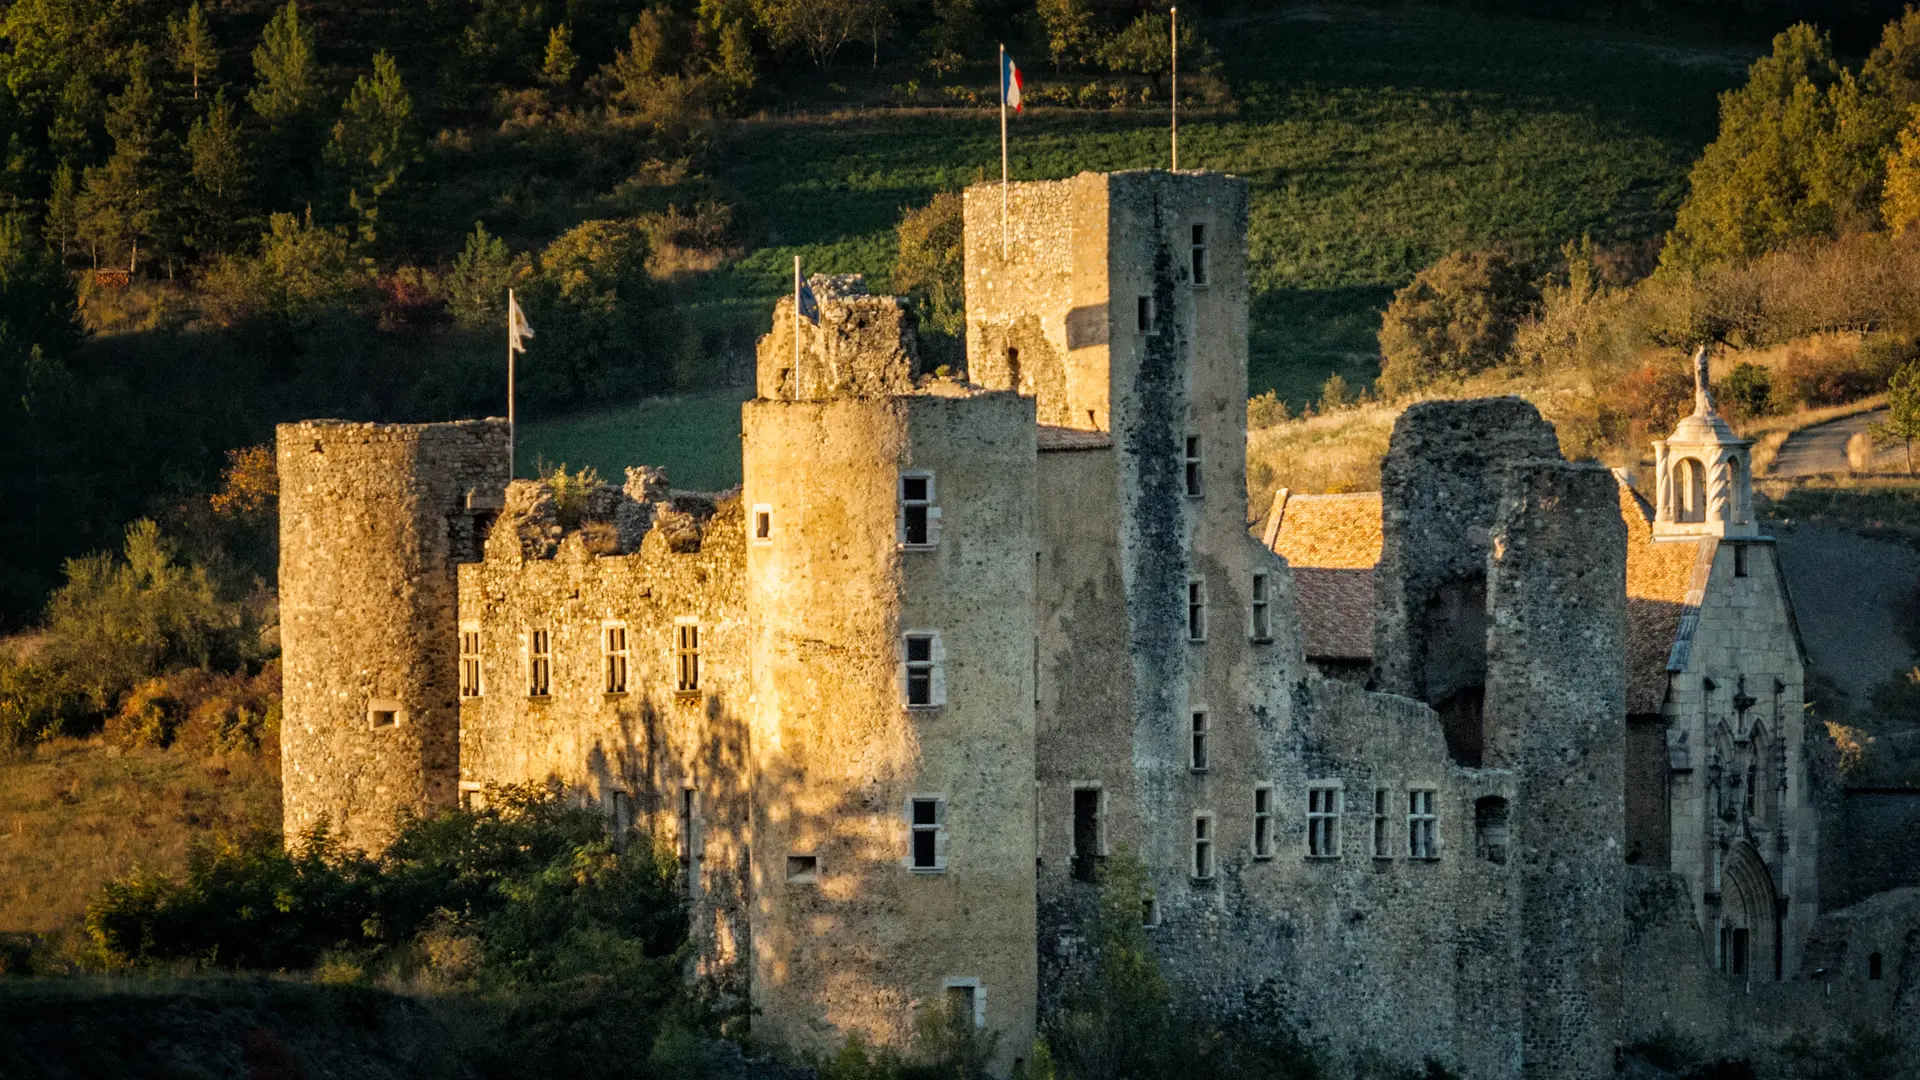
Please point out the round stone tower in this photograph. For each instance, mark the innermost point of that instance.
(373, 520)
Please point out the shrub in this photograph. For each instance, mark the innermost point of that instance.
(929, 267)
(1456, 318)
(302, 272)
(1818, 379)
(203, 710)
(1654, 397)
(38, 703)
(1746, 391)
(1265, 410)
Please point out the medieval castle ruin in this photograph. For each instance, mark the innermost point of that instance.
(1502, 766)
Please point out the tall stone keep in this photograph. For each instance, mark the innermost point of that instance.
(374, 520)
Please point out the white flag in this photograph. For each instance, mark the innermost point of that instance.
(518, 332)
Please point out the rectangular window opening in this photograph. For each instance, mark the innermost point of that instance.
(1323, 821)
(1423, 825)
(966, 1004)
(1262, 607)
(687, 654)
(614, 637)
(923, 670)
(927, 817)
(803, 869)
(1263, 822)
(1200, 267)
(1089, 832)
(1196, 610)
(385, 717)
(1194, 489)
(1203, 847)
(917, 512)
(1739, 560)
(1198, 761)
(1382, 829)
(762, 523)
(619, 818)
(470, 662)
(1144, 311)
(539, 663)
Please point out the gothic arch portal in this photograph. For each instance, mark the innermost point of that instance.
(1749, 946)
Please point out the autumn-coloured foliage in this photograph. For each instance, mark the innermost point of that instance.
(249, 485)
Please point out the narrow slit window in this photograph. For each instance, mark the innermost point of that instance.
(1089, 832)
(1200, 267)
(689, 825)
(1323, 821)
(1382, 824)
(539, 663)
(470, 662)
(762, 524)
(1144, 311)
(1192, 457)
(1876, 967)
(687, 655)
(1423, 825)
(1201, 732)
(1262, 607)
(1739, 560)
(923, 670)
(1263, 822)
(1203, 847)
(620, 817)
(917, 513)
(615, 635)
(927, 817)
(1196, 610)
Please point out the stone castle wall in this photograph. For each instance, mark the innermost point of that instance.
(373, 520)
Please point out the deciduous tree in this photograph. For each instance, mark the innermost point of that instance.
(1902, 424)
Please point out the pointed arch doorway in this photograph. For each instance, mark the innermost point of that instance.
(1749, 945)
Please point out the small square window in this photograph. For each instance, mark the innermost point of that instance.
(1193, 472)
(803, 869)
(762, 524)
(385, 717)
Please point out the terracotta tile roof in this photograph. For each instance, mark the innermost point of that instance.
(1661, 595)
(1333, 544)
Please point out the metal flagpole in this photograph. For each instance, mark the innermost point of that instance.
(1174, 22)
(796, 328)
(512, 307)
(1003, 151)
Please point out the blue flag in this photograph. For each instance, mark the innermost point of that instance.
(809, 307)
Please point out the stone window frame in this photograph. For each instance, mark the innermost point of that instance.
(1150, 912)
(1200, 742)
(1423, 822)
(932, 667)
(616, 655)
(803, 869)
(1382, 823)
(1326, 804)
(1200, 264)
(1260, 609)
(932, 825)
(928, 504)
(539, 655)
(473, 682)
(976, 995)
(686, 655)
(385, 713)
(762, 519)
(1193, 465)
(1262, 839)
(1196, 610)
(473, 795)
(1204, 866)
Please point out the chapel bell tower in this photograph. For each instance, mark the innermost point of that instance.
(1704, 476)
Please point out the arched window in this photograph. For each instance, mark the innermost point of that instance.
(1689, 490)
(1737, 488)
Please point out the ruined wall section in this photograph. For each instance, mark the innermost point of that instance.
(1556, 717)
(663, 762)
(1036, 295)
(373, 520)
(850, 937)
(863, 345)
(1441, 486)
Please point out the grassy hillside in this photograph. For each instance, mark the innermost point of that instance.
(76, 813)
(1375, 141)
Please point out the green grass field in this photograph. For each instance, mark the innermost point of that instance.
(696, 437)
(1375, 141)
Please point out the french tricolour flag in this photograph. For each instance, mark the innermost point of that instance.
(1010, 82)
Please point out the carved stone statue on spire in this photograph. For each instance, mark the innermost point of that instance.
(1703, 403)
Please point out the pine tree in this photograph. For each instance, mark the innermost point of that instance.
(556, 69)
(63, 216)
(194, 53)
(222, 178)
(122, 203)
(289, 77)
(373, 141)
